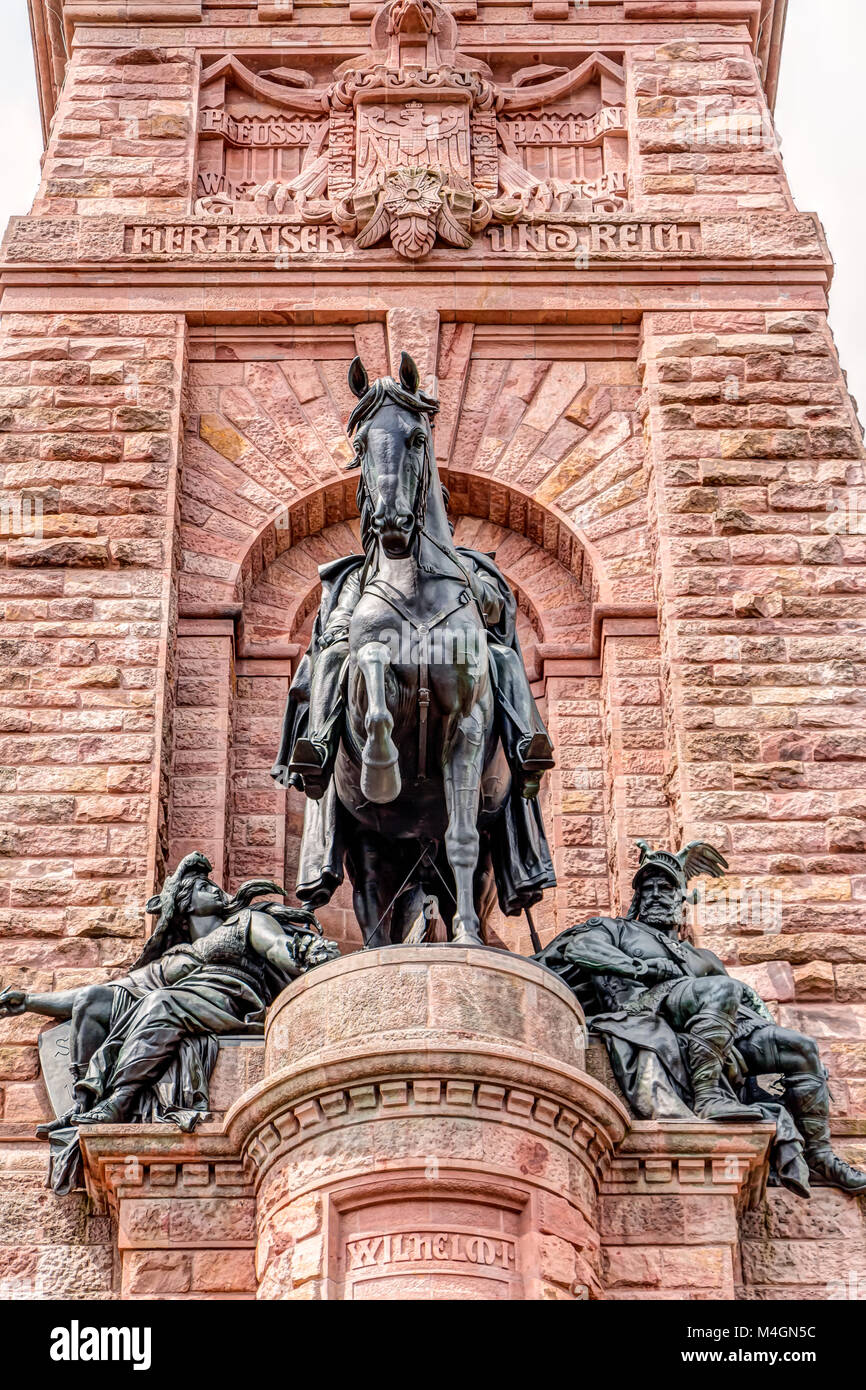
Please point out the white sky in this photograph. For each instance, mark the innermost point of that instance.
(819, 117)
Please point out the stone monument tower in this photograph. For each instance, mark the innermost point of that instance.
(574, 216)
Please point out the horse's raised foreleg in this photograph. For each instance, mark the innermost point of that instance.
(380, 771)
(462, 771)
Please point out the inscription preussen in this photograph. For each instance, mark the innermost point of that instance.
(430, 1247)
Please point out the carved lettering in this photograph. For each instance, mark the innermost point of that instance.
(282, 240)
(260, 131)
(425, 1247)
(278, 240)
(602, 239)
(563, 130)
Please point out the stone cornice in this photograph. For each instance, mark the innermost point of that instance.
(52, 23)
(49, 54)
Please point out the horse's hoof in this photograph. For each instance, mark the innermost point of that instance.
(465, 936)
(380, 775)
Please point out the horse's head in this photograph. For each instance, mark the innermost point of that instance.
(391, 429)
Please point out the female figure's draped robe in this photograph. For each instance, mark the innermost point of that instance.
(166, 1021)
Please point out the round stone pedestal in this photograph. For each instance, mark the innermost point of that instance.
(425, 1129)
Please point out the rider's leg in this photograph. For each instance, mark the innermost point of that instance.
(706, 1011)
(313, 755)
(807, 1096)
(527, 743)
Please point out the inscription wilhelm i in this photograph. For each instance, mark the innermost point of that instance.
(423, 1246)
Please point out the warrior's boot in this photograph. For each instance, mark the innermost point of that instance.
(111, 1110)
(808, 1099)
(709, 1040)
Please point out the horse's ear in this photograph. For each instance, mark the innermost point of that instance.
(359, 382)
(410, 377)
(154, 905)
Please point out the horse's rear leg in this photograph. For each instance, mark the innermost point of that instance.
(380, 771)
(462, 773)
(375, 870)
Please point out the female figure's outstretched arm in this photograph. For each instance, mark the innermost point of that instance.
(14, 1002)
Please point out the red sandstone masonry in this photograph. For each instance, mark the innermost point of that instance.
(696, 481)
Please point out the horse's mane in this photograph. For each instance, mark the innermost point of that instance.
(387, 389)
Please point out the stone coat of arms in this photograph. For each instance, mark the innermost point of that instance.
(415, 142)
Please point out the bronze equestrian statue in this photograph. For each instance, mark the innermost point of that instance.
(410, 723)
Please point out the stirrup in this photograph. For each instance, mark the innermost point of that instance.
(309, 763)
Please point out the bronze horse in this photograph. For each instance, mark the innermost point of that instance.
(420, 779)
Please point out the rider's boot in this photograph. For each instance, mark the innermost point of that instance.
(709, 1040)
(311, 766)
(534, 758)
(808, 1099)
(526, 741)
(313, 756)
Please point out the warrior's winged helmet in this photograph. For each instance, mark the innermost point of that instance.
(693, 860)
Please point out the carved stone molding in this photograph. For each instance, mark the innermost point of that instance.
(425, 1117)
(691, 1156)
(414, 140)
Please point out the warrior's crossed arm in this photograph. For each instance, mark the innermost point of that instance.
(595, 952)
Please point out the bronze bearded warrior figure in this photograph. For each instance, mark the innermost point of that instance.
(142, 1047)
(684, 1038)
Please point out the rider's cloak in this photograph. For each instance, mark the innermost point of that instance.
(522, 862)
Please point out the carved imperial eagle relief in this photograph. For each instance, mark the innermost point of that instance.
(414, 142)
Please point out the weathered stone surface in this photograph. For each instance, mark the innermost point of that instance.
(667, 465)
